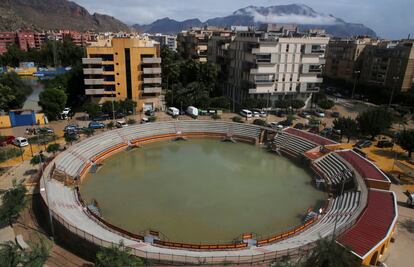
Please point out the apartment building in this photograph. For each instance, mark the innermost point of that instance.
(193, 43)
(389, 65)
(6, 39)
(164, 39)
(344, 57)
(275, 62)
(124, 68)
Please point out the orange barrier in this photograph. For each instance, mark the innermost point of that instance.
(108, 151)
(111, 226)
(199, 247)
(284, 235)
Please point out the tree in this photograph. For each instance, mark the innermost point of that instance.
(14, 200)
(282, 104)
(406, 141)
(53, 148)
(347, 126)
(52, 101)
(110, 125)
(374, 121)
(38, 253)
(220, 102)
(116, 256)
(13, 91)
(297, 104)
(92, 109)
(237, 119)
(330, 254)
(326, 104)
(37, 159)
(6, 97)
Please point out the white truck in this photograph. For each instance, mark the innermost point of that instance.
(192, 111)
(173, 111)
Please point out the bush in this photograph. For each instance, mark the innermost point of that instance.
(131, 121)
(259, 122)
(237, 119)
(37, 159)
(110, 125)
(88, 131)
(52, 148)
(216, 117)
(326, 104)
(9, 153)
(152, 118)
(42, 139)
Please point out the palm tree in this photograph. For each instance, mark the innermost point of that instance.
(38, 254)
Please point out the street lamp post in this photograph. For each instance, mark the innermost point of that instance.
(395, 79)
(357, 72)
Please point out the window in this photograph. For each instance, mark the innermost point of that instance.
(266, 58)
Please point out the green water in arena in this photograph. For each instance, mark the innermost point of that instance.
(201, 191)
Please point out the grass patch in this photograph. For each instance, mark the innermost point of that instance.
(9, 153)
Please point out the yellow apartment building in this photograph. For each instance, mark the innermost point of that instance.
(122, 68)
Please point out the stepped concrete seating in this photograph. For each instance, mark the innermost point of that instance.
(292, 144)
(333, 169)
(72, 161)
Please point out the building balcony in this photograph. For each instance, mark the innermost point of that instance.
(92, 71)
(94, 91)
(94, 81)
(264, 81)
(152, 70)
(152, 90)
(151, 60)
(91, 61)
(152, 80)
(310, 79)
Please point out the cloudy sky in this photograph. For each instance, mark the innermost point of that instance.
(389, 18)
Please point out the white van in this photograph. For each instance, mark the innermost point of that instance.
(121, 124)
(246, 113)
(173, 111)
(20, 142)
(192, 111)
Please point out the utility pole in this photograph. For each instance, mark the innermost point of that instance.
(395, 79)
(356, 74)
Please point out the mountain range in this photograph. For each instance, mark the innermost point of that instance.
(52, 15)
(302, 15)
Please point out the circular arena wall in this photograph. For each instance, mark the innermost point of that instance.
(60, 193)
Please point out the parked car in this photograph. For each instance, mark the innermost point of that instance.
(275, 125)
(281, 113)
(385, 144)
(192, 111)
(286, 123)
(256, 114)
(101, 117)
(335, 114)
(119, 115)
(305, 114)
(326, 131)
(149, 113)
(6, 140)
(319, 113)
(96, 125)
(410, 198)
(45, 130)
(173, 111)
(144, 120)
(20, 142)
(65, 113)
(262, 114)
(121, 124)
(299, 126)
(71, 128)
(246, 113)
(363, 144)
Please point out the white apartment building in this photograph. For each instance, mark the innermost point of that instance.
(274, 65)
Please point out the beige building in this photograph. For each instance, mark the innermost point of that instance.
(193, 43)
(344, 57)
(124, 68)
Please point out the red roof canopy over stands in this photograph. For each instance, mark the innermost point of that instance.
(319, 140)
(373, 225)
(363, 166)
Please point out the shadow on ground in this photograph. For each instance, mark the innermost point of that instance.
(408, 224)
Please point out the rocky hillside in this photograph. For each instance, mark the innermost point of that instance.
(53, 14)
(302, 15)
